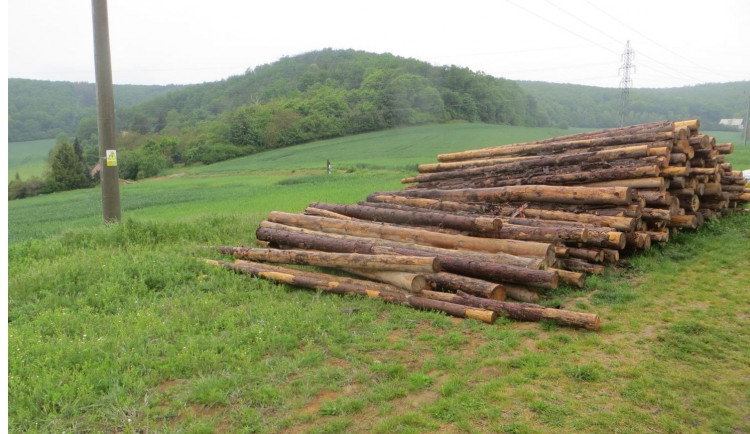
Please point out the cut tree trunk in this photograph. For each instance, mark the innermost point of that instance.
(412, 264)
(404, 234)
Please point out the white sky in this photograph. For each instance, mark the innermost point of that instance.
(676, 42)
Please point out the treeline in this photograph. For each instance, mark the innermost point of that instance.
(318, 95)
(596, 107)
(39, 109)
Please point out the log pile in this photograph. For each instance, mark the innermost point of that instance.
(506, 221)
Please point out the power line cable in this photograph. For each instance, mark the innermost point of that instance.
(562, 27)
(692, 62)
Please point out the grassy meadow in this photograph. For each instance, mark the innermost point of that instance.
(28, 158)
(120, 329)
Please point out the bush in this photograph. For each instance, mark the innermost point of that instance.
(18, 189)
(208, 154)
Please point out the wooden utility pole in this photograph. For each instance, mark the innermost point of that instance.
(106, 114)
(747, 119)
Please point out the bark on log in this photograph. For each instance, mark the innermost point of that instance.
(325, 213)
(532, 312)
(532, 193)
(412, 264)
(403, 234)
(338, 285)
(520, 293)
(289, 236)
(658, 183)
(551, 146)
(654, 149)
(413, 218)
(454, 282)
(687, 221)
(411, 282)
(582, 266)
(454, 261)
(590, 255)
(572, 278)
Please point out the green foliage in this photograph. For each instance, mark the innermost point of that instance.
(19, 189)
(67, 169)
(597, 107)
(40, 109)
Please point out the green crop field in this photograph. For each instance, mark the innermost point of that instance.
(121, 329)
(28, 158)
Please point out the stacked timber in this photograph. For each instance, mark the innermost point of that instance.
(679, 176)
(505, 221)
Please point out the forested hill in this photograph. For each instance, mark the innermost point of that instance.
(40, 109)
(596, 107)
(336, 92)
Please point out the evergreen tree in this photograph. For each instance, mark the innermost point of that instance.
(67, 171)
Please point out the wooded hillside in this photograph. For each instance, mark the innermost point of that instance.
(597, 107)
(39, 109)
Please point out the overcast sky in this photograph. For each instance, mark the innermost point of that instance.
(676, 42)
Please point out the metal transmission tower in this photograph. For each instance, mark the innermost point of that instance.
(626, 83)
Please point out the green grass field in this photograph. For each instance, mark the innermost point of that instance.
(28, 158)
(121, 329)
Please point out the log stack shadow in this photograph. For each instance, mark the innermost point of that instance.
(507, 221)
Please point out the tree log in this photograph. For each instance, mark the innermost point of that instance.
(582, 266)
(532, 312)
(551, 146)
(572, 278)
(404, 234)
(454, 282)
(453, 262)
(412, 264)
(413, 218)
(339, 285)
(411, 282)
(532, 193)
(288, 236)
(520, 293)
(658, 183)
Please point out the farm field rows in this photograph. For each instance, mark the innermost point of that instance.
(121, 329)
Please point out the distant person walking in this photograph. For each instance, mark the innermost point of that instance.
(328, 166)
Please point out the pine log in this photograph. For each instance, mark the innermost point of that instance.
(453, 262)
(654, 149)
(532, 312)
(532, 193)
(687, 221)
(288, 236)
(412, 264)
(572, 278)
(611, 256)
(590, 255)
(677, 158)
(325, 213)
(657, 198)
(519, 293)
(658, 183)
(582, 266)
(638, 240)
(339, 285)
(434, 204)
(413, 218)
(547, 146)
(725, 148)
(571, 177)
(547, 234)
(454, 282)
(404, 234)
(690, 203)
(411, 282)
(614, 222)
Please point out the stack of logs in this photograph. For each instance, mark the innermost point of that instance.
(506, 221)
